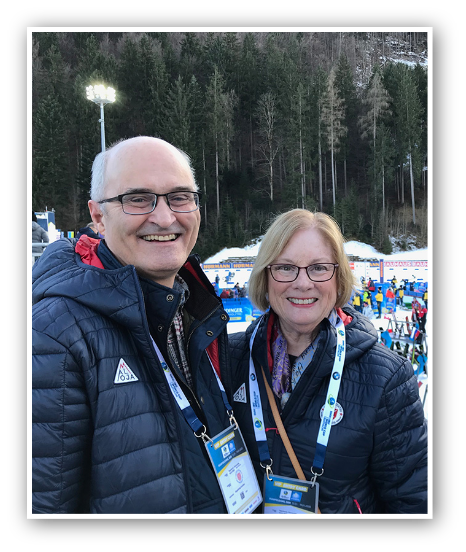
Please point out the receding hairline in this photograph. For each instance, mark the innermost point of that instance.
(123, 146)
(101, 162)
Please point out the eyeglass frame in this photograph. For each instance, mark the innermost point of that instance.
(335, 266)
(120, 199)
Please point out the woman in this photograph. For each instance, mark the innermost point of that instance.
(375, 460)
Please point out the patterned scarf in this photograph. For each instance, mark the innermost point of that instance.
(284, 377)
(176, 343)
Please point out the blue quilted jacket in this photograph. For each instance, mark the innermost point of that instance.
(105, 447)
(377, 453)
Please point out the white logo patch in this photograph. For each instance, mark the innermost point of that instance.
(124, 374)
(240, 395)
(337, 413)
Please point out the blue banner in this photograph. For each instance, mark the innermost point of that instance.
(241, 310)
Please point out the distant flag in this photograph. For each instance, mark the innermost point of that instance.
(414, 334)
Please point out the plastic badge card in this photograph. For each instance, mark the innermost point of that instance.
(235, 472)
(285, 495)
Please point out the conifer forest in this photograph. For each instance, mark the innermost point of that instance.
(328, 121)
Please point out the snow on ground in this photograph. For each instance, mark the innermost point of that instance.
(355, 248)
(367, 251)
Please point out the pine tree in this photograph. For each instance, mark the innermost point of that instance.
(408, 113)
(377, 104)
(219, 108)
(267, 147)
(317, 90)
(178, 121)
(332, 116)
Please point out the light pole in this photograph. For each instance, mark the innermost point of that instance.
(101, 95)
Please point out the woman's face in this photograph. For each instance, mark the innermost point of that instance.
(303, 304)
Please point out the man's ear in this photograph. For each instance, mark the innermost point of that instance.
(97, 215)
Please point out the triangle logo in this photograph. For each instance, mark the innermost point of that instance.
(240, 395)
(124, 374)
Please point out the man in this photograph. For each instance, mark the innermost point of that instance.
(89, 230)
(108, 433)
(39, 235)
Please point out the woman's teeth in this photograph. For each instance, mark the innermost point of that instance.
(154, 237)
(302, 301)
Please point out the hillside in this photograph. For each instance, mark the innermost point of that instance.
(327, 121)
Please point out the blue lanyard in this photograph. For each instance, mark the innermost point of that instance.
(329, 407)
(183, 403)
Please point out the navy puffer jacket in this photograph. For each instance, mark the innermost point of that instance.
(105, 447)
(377, 453)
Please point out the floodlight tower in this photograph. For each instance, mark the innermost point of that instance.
(101, 95)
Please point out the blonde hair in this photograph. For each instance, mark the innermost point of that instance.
(277, 238)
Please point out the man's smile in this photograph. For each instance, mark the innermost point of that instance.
(157, 237)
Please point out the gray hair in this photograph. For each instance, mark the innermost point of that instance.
(100, 163)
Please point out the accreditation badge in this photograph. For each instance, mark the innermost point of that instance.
(285, 495)
(235, 472)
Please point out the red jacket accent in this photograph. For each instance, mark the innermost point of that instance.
(86, 248)
(212, 349)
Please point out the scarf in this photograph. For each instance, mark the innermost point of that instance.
(176, 342)
(286, 377)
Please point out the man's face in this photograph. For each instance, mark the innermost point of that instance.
(158, 243)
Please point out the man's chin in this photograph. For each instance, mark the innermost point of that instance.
(164, 276)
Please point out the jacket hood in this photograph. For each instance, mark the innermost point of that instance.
(70, 268)
(60, 272)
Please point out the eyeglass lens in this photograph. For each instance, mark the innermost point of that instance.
(180, 202)
(316, 272)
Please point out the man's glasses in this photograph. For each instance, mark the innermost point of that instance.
(320, 272)
(145, 202)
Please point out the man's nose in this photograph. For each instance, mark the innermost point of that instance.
(162, 215)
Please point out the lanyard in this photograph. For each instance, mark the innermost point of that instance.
(183, 403)
(256, 408)
(329, 407)
(330, 400)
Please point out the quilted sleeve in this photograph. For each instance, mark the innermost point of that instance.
(61, 426)
(399, 461)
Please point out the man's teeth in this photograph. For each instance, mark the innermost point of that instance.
(154, 237)
(302, 301)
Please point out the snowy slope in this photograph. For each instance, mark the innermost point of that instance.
(355, 248)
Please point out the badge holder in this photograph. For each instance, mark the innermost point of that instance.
(234, 470)
(227, 450)
(285, 495)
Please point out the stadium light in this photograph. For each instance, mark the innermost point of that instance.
(101, 95)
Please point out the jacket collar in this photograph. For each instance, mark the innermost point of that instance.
(360, 336)
(75, 269)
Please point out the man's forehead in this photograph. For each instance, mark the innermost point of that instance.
(157, 160)
(145, 150)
